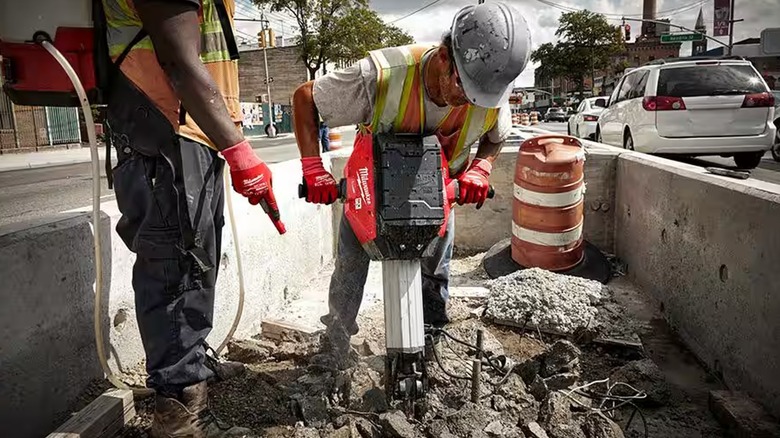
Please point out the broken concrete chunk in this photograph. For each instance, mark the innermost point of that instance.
(565, 431)
(470, 420)
(544, 299)
(498, 403)
(495, 428)
(539, 388)
(313, 410)
(513, 387)
(528, 370)
(597, 425)
(302, 431)
(279, 330)
(396, 425)
(562, 357)
(645, 376)
(367, 429)
(534, 430)
(561, 381)
(742, 416)
(555, 410)
(247, 351)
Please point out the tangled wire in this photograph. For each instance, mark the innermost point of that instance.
(608, 402)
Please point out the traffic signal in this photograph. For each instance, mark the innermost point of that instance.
(628, 31)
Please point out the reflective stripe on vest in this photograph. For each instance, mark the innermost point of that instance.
(399, 104)
(124, 24)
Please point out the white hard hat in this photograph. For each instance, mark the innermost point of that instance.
(491, 44)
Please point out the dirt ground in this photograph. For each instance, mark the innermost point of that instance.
(533, 388)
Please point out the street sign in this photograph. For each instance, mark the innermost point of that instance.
(721, 18)
(681, 37)
(770, 41)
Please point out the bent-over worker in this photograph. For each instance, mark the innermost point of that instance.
(457, 91)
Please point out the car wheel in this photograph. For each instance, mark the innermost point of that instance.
(748, 160)
(628, 141)
(598, 135)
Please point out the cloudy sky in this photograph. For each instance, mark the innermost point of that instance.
(429, 24)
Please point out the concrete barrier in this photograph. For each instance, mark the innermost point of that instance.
(477, 230)
(47, 347)
(708, 249)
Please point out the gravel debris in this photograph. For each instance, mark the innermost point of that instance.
(545, 299)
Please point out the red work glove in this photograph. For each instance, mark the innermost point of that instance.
(473, 184)
(252, 178)
(321, 187)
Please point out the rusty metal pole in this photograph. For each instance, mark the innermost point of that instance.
(476, 370)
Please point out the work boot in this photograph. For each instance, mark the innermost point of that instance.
(191, 417)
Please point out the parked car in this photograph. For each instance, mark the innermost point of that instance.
(583, 123)
(555, 115)
(715, 106)
(776, 146)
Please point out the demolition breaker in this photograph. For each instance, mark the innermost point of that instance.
(399, 185)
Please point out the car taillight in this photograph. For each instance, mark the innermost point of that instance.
(591, 118)
(759, 100)
(663, 103)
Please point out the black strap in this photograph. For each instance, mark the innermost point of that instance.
(108, 164)
(227, 29)
(136, 39)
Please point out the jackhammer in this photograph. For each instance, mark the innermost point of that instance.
(397, 197)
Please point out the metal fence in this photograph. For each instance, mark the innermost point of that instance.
(34, 128)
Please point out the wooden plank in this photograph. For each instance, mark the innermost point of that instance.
(103, 418)
(282, 330)
(468, 292)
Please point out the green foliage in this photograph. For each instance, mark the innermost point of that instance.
(336, 30)
(586, 43)
(362, 30)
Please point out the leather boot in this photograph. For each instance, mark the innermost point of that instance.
(190, 417)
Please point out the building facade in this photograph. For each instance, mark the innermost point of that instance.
(285, 68)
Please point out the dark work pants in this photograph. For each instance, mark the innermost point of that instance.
(349, 280)
(172, 220)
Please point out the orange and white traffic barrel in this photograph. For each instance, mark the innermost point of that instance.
(547, 212)
(534, 118)
(524, 119)
(334, 136)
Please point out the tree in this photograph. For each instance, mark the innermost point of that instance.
(336, 30)
(590, 39)
(362, 30)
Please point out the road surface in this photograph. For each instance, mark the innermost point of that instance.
(35, 193)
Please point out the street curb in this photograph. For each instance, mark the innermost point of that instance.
(44, 165)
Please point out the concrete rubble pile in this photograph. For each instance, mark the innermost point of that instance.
(546, 300)
(528, 398)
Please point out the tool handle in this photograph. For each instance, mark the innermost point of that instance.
(453, 191)
(274, 215)
(303, 191)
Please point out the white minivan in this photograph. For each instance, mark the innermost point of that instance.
(692, 107)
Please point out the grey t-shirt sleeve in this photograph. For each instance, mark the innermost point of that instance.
(346, 97)
(500, 132)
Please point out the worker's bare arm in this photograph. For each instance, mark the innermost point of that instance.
(306, 120)
(175, 32)
(488, 150)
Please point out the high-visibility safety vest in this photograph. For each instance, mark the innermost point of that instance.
(400, 105)
(124, 24)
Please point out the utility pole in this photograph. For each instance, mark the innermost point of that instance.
(266, 33)
(731, 26)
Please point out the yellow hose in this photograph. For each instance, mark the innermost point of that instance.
(92, 138)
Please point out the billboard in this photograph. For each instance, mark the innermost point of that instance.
(721, 17)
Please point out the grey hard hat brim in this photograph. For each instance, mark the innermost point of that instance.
(490, 83)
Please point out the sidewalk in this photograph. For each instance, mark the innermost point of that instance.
(37, 160)
(64, 157)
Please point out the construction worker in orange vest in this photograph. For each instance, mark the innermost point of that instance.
(176, 55)
(458, 91)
